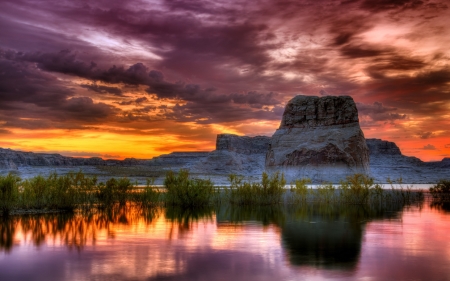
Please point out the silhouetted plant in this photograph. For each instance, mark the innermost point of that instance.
(441, 190)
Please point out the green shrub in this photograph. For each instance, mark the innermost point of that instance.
(85, 188)
(35, 193)
(269, 191)
(9, 192)
(62, 194)
(187, 192)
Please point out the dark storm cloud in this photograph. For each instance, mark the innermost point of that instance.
(360, 52)
(84, 108)
(429, 147)
(194, 112)
(138, 74)
(34, 99)
(255, 98)
(378, 112)
(385, 5)
(103, 89)
(425, 135)
(20, 82)
(137, 101)
(140, 100)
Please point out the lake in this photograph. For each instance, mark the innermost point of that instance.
(307, 242)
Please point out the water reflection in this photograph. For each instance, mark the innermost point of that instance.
(440, 205)
(229, 242)
(73, 230)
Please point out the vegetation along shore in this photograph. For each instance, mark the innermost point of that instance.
(55, 193)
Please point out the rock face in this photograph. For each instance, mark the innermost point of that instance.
(319, 138)
(235, 154)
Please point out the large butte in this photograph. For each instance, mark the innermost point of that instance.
(319, 138)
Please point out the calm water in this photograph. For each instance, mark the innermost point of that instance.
(230, 243)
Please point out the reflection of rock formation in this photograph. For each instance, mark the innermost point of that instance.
(322, 243)
(319, 138)
(320, 235)
(329, 236)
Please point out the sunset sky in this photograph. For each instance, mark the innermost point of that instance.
(140, 78)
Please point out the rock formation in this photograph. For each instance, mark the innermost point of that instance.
(319, 138)
(235, 154)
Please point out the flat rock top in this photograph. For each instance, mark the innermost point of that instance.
(312, 111)
(243, 144)
(382, 147)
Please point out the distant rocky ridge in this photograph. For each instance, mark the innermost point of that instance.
(11, 159)
(385, 157)
(386, 160)
(320, 138)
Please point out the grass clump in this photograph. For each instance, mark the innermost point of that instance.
(357, 189)
(187, 192)
(268, 191)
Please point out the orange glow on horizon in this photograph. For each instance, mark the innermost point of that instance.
(120, 143)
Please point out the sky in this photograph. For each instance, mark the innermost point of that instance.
(140, 78)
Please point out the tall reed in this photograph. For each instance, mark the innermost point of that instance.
(187, 192)
(268, 191)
